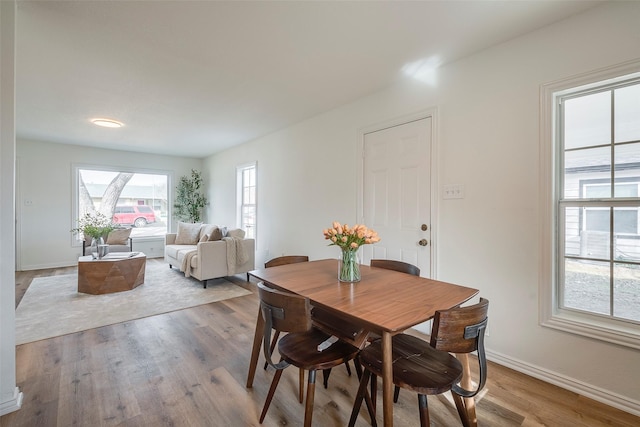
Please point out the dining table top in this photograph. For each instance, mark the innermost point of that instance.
(383, 300)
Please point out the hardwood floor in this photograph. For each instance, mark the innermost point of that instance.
(189, 368)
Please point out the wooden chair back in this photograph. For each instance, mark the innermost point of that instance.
(461, 330)
(283, 260)
(401, 266)
(282, 312)
(458, 330)
(286, 312)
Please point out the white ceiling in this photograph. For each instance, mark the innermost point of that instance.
(193, 78)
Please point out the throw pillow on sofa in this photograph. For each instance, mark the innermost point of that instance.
(188, 233)
(119, 236)
(206, 229)
(238, 232)
(216, 234)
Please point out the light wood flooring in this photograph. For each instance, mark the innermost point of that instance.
(189, 368)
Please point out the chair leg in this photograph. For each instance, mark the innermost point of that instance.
(374, 390)
(358, 366)
(273, 346)
(272, 390)
(362, 394)
(327, 372)
(204, 282)
(424, 411)
(325, 377)
(300, 384)
(467, 382)
(462, 410)
(308, 408)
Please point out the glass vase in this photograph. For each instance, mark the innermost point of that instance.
(101, 248)
(349, 266)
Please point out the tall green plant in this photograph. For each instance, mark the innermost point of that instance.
(189, 199)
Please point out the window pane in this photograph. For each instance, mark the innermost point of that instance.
(594, 244)
(627, 240)
(572, 241)
(625, 220)
(597, 191)
(249, 221)
(593, 164)
(597, 220)
(587, 120)
(627, 170)
(583, 241)
(627, 113)
(626, 288)
(626, 190)
(586, 286)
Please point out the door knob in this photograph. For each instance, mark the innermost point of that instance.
(423, 242)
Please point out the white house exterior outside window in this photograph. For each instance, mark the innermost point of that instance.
(591, 200)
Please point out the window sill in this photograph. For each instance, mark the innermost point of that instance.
(619, 333)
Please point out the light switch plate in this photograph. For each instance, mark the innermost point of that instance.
(453, 191)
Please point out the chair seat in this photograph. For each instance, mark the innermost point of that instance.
(300, 349)
(416, 365)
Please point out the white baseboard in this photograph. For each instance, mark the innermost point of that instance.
(13, 404)
(48, 265)
(612, 399)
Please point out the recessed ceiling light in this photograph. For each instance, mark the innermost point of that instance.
(107, 123)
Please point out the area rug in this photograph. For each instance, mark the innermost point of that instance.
(52, 305)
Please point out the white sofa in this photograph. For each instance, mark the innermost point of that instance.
(205, 259)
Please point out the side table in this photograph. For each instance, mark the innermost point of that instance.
(117, 272)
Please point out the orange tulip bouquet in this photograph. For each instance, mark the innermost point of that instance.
(349, 239)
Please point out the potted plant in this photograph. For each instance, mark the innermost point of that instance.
(189, 199)
(95, 225)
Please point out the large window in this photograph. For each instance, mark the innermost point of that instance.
(593, 282)
(247, 200)
(131, 199)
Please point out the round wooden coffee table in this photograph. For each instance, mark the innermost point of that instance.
(117, 272)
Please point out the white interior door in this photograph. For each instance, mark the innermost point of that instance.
(397, 193)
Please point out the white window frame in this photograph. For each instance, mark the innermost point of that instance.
(240, 196)
(550, 315)
(75, 182)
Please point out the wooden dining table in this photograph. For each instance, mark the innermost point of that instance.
(385, 302)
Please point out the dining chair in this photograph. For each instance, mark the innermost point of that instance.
(429, 368)
(300, 347)
(274, 262)
(317, 314)
(286, 259)
(402, 267)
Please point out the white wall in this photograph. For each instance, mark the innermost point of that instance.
(10, 395)
(488, 139)
(45, 178)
